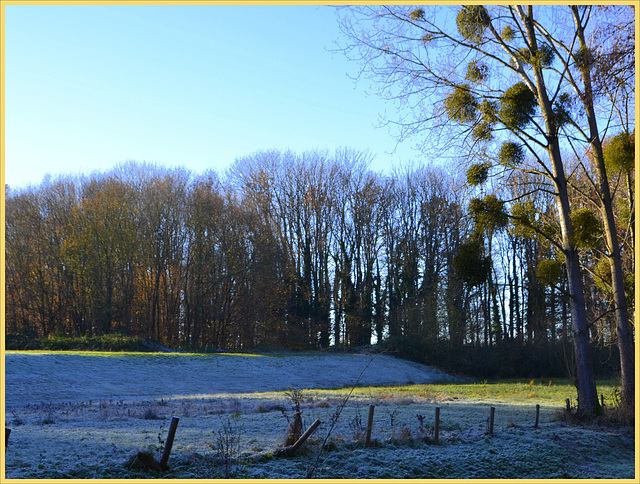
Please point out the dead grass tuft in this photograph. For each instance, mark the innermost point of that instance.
(266, 407)
(322, 404)
(151, 414)
(144, 461)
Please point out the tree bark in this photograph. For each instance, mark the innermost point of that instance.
(585, 379)
(623, 326)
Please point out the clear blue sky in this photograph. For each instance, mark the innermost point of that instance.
(87, 87)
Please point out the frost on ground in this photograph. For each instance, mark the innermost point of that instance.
(48, 377)
(84, 416)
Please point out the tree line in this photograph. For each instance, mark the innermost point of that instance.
(303, 251)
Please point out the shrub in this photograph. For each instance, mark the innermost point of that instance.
(107, 342)
(150, 414)
(22, 341)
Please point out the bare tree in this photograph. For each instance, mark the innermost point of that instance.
(495, 75)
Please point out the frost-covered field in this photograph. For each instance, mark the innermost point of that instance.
(35, 377)
(83, 416)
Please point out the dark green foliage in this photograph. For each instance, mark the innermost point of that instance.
(488, 213)
(471, 264)
(587, 229)
(489, 111)
(526, 223)
(426, 38)
(602, 279)
(507, 34)
(482, 132)
(550, 230)
(543, 57)
(562, 110)
(22, 341)
(517, 106)
(511, 154)
(478, 173)
(106, 342)
(549, 271)
(619, 153)
(477, 72)
(583, 58)
(472, 21)
(630, 288)
(624, 211)
(417, 14)
(461, 106)
(523, 215)
(602, 271)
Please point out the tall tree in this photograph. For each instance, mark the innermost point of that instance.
(494, 76)
(101, 250)
(585, 92)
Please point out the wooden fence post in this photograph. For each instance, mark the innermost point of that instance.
(436, 428)
(568, 405)
(492, 415)
(537, 415)
(367, 434)
(169, 443)
(289, 451)
(7, 432)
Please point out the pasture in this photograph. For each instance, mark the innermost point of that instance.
(84, 415)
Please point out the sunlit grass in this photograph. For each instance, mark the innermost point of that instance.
(521, 391)
(515, 392)
(130, 353)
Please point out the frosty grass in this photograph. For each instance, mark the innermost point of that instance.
(83, 415)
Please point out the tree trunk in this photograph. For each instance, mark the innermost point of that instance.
(623, 326)
(585, 380)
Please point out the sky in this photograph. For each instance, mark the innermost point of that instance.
(91, 86)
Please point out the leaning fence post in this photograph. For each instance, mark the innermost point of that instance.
(289, 451)
(436, 427)
(537, 415)
(367, 435)
(169, 443)
(492, 415)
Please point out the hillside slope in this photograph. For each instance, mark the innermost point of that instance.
(33, 377)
